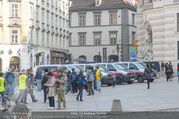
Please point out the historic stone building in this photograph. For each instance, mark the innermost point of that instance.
(97, 27)
(158, 30)
(33, 32)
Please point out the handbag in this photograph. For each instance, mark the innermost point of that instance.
(150, 72)
(83, 82)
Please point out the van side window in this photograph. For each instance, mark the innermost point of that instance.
(133, 66)
(126, 64)
(110, 67)
(65, 69)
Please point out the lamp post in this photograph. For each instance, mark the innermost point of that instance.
(117, 49)
(99, 58)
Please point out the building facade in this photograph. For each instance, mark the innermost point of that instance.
(101, 30)
(33, 32)
(158, 30)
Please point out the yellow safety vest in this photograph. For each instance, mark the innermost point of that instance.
(2, 84)
(22, 82)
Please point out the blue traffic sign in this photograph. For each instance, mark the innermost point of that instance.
(132, 54)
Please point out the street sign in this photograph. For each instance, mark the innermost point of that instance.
(136, 46)
(133, 43)
(132, 50)
(132, 54)
(136, 41)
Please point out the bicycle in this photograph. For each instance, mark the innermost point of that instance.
(4, 105)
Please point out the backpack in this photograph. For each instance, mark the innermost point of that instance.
(73, 77)
(91, 77)
(78, 82)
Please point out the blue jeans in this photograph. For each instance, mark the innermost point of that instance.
(2, 95)
(69, 87)
(80, 93)
(45, 93)
(51, 101)
(39, 84)
(10, 88)
(98, 85)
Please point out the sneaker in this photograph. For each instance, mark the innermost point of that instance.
(52, 108)
(81, 100)
(77, 99)
(64, 108)
(49, 107)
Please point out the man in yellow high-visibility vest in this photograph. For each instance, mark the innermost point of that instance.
(2, 83)
(23, 87)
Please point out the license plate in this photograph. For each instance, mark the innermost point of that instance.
(132, 79)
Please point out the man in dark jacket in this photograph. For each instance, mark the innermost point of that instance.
(72, 80)
(44, 81)
(10, 82)
(39, 78)
(69, 86)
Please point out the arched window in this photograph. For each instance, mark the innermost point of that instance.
(97, 58)
(82, 57)
(14, 63)
(113, 58)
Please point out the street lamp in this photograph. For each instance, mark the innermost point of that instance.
(117, 49)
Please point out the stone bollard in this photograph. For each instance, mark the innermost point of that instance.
(116, 106)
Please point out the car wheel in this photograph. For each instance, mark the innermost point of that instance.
(130, 82)
(140, 79)
(119, 81)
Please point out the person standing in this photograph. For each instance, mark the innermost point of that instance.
(23, 87)
(44, 81)
(39, 78)
(162, 67)
(61, 87)
(69, 86)
(10, 82)
(52, 90)
(98, 79)
(73, 82)
(167, 72)
(2, 84)
(90, 79)
(147, 73)
(31, 81)
(80, 86)
(170, 70)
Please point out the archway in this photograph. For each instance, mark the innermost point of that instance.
(0, 65)
(15, 64)
(113, 58)
(97, 58)
(82, 57)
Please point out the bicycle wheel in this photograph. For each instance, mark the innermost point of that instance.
(4, 105)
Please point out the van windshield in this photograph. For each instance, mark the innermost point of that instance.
(48, 67)
(77, 68)
(101, 68)
(120, 66)
(141, 65)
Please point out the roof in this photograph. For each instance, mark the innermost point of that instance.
(88, 3)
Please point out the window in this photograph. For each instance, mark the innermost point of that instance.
(48, 40)
(47, 1)
(97, 2)
(43, 38)
(60, 43)
(47, 18)
(0, 7)
(15, 10)
(63, 24)
(31, 12)
(52, 41)
(178, 22)
(56, 20)
(110, 67)
(52, 3)
(37, 14)
(64, 44)
(113, 18)
(60, 22)
(43, 16)
(70, 39)
(97, 38)
(56, 4)
(82, 39)
(133, 66)
(133, 19)
(82, 20)
(15, 36)
(56, 43)
(97, 19)
(31, 39)
(133, 37)
(37, 38)
(69, 20)
(52, 23)
(113, 38)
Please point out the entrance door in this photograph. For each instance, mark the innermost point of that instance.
(14, 64)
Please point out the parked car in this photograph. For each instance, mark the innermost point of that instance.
(139, 68)
(122, 73)
(106, 76)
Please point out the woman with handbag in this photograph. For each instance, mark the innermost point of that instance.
(80, 80)
(148, 75)
(52, 90)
